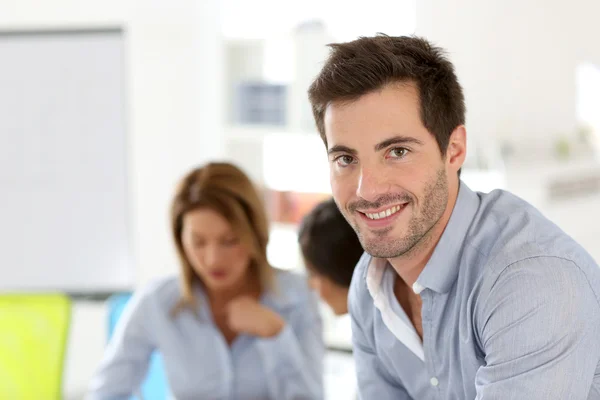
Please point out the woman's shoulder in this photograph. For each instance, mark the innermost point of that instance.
(163, 292)
(291, 280)
(292, 287)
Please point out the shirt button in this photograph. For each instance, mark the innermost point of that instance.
(417, 288)
(434, 381)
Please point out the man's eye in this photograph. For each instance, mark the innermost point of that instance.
(399, 152)
(344, 160)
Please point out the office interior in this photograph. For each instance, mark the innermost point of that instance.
(107, 104)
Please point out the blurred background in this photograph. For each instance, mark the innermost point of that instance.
(106, 104)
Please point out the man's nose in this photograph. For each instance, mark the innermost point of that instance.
(372, 184)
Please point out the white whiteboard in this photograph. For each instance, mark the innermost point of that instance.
(64, 220)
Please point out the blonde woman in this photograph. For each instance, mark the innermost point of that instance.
(230, 326)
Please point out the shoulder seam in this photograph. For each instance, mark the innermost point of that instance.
(552, 257)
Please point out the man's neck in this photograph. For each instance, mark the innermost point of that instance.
(410, 265)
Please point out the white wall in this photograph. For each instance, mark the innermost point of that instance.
(516, 60)
(174, 67)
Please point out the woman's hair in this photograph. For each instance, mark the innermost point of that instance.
(225, 189)
(329, 244)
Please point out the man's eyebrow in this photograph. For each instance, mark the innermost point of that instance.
(341, 149)
(397, 140)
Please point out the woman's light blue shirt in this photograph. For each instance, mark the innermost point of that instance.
(198, 362)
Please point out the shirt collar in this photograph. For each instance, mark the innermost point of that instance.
(374, 276)
(442, 269)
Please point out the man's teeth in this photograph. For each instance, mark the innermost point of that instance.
(384, 213)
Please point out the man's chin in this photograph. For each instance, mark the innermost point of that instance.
(376, 235)
(380, 247)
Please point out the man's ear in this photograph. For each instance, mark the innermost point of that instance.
(456, 151)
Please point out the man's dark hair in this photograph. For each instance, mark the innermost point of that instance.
(368, 64)
(329, 244)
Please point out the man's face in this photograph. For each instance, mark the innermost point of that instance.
(387, 173)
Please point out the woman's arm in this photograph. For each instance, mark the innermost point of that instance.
(127, 356)
(294, 357)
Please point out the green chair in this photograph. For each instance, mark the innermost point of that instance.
(33, 340)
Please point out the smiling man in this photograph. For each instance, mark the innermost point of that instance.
(460, 295)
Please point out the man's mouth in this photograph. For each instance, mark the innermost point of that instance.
(384, 213)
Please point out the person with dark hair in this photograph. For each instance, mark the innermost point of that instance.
(331, 250)
(460, 294)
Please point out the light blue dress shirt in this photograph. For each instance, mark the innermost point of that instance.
(198, 362)
(511, 310)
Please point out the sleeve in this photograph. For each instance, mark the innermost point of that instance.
(127, 356)
(374, 382)
(294, 358)
(539, 331)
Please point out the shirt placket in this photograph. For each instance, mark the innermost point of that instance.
(428, 322)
